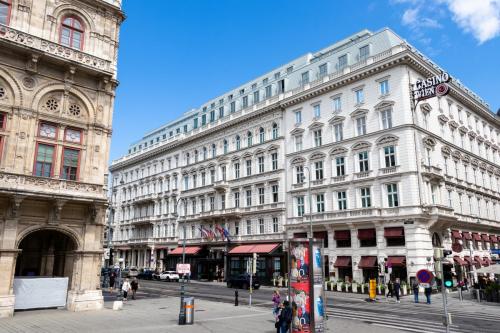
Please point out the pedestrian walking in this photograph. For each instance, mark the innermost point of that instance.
(112, 282)
(134, 285)
(415, 287)
(276, 302)
(428, 292)
(390, 290)
(466, 284)
(126, 288)
(397, 289)
(285, 318)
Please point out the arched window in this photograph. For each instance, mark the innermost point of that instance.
(436, 240)
(214, 150)
(249, 139)
(5, 7)
(72, 33)
(275, 131)
(225, 146)
(238, 142)
(262, 136)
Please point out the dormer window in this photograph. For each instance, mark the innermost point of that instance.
(71, 33)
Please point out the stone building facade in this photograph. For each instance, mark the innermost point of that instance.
(57, 86)
(389, 178)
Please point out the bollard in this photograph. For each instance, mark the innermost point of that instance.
(236, 298)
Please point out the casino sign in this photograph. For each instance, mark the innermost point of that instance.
(432, 86)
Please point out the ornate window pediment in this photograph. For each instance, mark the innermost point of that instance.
(272, 147)
(298, 160)
(210, 165)
(443, 119)
(429, 142)
(387, 139)
(235, 158)
(259, 151)
(336, 120)
(465, 159)
(425, 107)
(247, 155)
(384, 105)
(446, 150)
(297, 131)
(315, 125)
(453, 124)
(491, 169)
(358, 113)
(338, 151)
(472, 134)
(222, 159)
(474, 162)
(317, 156)
(193, 170)
(483, 166)
(463, 129)
(361, 145)
(456, 154)
(480, 138)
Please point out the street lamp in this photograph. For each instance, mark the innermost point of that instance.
(182, 311)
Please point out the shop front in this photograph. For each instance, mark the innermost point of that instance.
(369, 266)
(344, 266)
(396, 266)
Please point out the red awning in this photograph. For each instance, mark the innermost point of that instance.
(456, 234)
(493, 239)
(394, 232)
(254, 248)
(189, 250)
(469, 260)
(485, 237)
(342, 235)
(459, 261)
(341, 261)
(365, 234)
(368, 261)
(479, 261)
(396, 261)
(476, 236)
(466, 235)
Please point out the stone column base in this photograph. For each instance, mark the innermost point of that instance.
(85, 300)
(7, 305)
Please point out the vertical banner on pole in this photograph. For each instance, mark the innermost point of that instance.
(306, 285)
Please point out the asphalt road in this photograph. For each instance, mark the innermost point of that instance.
(467, 316)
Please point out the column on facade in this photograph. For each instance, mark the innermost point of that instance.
(8, 256)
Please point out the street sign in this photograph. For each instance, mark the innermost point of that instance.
(183, 269)
(425, 285)
(425, 276)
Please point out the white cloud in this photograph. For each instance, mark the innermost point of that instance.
(410, 16)
(481, 18)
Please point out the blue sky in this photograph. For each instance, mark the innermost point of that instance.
(177, 54)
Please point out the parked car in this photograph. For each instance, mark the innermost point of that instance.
(156, 275)
(130, 272)
(243, 281)
(145, 274)
(169, 276)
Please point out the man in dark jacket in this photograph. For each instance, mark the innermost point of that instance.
(285, 318)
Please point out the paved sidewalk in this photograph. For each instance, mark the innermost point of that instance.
(160, 315)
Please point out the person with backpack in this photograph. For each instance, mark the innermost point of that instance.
(134, 286)
(415, 287)
(285, 318)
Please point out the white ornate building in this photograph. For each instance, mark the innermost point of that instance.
(58, 65)
(390, 180)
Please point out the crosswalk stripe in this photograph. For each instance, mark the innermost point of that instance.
(411, 329)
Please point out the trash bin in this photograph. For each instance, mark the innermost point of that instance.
(189, 308)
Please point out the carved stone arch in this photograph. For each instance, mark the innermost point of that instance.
(12, 94)
(483, 166)
(201, 168)
(361, 145)
(445, 150)
(64, 10)
(465, 159)
(429, 142)
(425, 107)
(491, 169)
(193, 170)
(456, 154)
(272, 147)
(222, 159)
(297, 131)
(235, 158)
(60, 228)
(336, 120)
(338, 151)
(389, 138)
(298, 160)
(259, 151)
(474, 162)
(247, 155)
(316, 156)
(316, 125)
(384, 105)
(358, 113)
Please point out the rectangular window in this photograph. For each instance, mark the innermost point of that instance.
(300, 206)
(261, 226)
(365, 197)
(212, 203)
(300, 174)
(342, 200)
(203, 179)
(260, 162)
(249, 167)
(305, 78)
(317, 138)
(195, 124)
(221, 112)
(318, 167)
(364, 52)
(245, 101)
(274, 190)
(384, 87)
(390, 156)
(340, 166)
(363, 161)
(70, 164)
(392, 195)
(274, 161)
(320, 203)
(185, 130)
(256, 97)
(249, 227)
(386, 118)
(48, 131)
(361, 125)
(317, 111)
(186, 182)
(249, 197)
(269, 92)
(342, 61)
(360, 97)
(275, 224)
(223, 172)
(281, 86)
(44, 160)
(298, 142)
(323, 70)
(337, 104)
(339, 132)
(212, 116)
(236, 170)
(212, 176)
(232, 107)
(236, 199)
(261, 195)
(298, 117)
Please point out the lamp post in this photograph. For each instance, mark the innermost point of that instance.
(182, 311)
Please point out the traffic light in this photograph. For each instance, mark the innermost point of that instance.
(447, 276)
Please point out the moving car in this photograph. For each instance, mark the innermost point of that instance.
(130, 272)
(145, 274)
(243, 281)
(169, 276)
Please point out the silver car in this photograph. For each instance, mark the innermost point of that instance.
(169, 276)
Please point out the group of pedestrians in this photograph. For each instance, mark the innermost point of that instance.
(126, 287)
(282, 312)
(394, 290)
